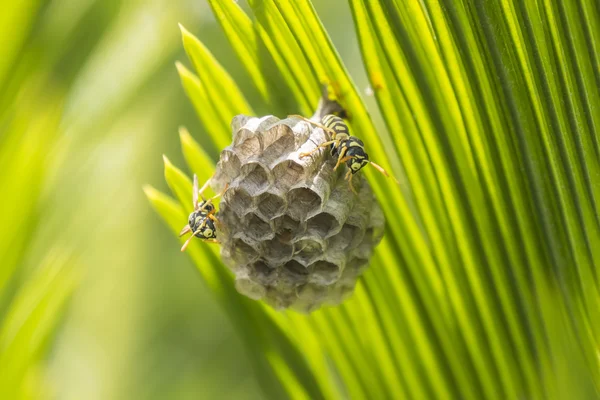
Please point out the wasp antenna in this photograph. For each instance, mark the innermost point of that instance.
(187, 242)
(203, 188)
(220, 194)
(379, 168)
(195, 194)
(383, 171)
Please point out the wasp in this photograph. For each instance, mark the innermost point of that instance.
(201, 221)
(346, 148)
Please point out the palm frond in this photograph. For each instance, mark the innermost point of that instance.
(487, 275)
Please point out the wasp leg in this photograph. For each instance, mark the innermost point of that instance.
(325, 144)
(185, 230)
(207, 202)
(348, 177)
(211, 241)
(326, 129)
(342, 159)
(187, 242)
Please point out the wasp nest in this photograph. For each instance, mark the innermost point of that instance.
(290, 228)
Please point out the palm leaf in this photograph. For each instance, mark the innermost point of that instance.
(34, 290)
(32, 298)
(486, 284)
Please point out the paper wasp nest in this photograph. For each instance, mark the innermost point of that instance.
(290, 228)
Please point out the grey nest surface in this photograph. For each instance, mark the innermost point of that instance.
(290, 228)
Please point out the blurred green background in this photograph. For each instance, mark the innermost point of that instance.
(486, 286)
(140, 322)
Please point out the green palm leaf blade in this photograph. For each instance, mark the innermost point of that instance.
(214, 76)
(197, 159)
(213, 92)
(388, 96)
(407, 21)
(243, 38)
(15, 25)
(199, 96)
(29, 324)
(487, 280)
(28, 132)
(36, 281)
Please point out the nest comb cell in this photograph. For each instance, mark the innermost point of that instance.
(290, 228)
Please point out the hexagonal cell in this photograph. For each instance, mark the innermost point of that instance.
(323, 273)
(227, 169)
(280, 299)
(238, 200)
(302, 201)
(280, 146)
(287, 173)
(293, 273)
(301, 129)
(312, 293)
(248, 148)
(255, 178)
(345, 237)
(270, 205)
(339, 203)
(237, 122)
(251, 127)
(256, 228)
(262, 124)
(307, 251)
(242, 253)
(260, 272)
(316, 158)
(287, 228)
(322, 225)
(276, 252)
(359, 216)
(249, 288)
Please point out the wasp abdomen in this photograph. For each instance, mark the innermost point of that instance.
(336, 124)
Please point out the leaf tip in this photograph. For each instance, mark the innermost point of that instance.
(184, 134)
(180, 67)
(182, 29)
(149, 191)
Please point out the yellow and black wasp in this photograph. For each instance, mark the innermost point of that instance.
(347, 148)
(201, 221)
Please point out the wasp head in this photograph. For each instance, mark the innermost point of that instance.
(359, 158)
(206, 231)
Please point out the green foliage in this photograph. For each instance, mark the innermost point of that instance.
(34, 290)
(486, 283)
(32, 299)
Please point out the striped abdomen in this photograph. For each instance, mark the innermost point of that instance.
(336, 124)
